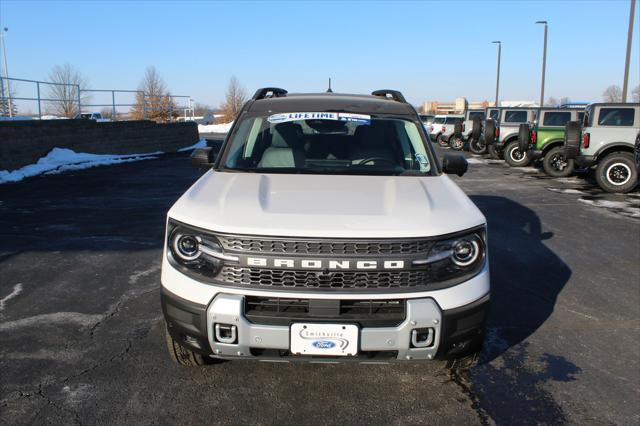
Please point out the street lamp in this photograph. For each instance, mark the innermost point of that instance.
(499, 43)
(3, 45)
(544, 62)
(625, 83)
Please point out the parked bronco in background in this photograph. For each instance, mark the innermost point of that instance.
(605, 140)
(544, 139)
(504, 141)
(441, 130)
(464, 132)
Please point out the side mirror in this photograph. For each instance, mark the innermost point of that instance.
(454, 164)
(203, 157)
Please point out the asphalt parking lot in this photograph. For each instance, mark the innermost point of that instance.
(81, 328)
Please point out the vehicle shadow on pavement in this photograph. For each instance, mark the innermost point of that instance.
(526, 278)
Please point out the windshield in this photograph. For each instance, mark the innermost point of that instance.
(327, 143)
(454, 120)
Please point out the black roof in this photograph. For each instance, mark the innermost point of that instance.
(299, 102)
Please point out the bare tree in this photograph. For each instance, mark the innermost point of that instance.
(565, 100)
(64, 93)
(635, 94)
(235, 97)
(612, 93)
(201, 109)
(552, 102)
(4, 103)
(153, 101)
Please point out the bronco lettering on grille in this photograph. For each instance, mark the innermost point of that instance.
(323, 264)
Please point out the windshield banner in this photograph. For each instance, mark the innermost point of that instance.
(336, 116)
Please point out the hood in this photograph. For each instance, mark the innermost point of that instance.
(292, 205)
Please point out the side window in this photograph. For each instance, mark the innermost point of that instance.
(515, 116)
(494, 114)
(616, 117)
(556, 118)
(581, 118)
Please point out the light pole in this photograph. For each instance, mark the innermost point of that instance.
(625, 84)
(3, 45)
(544, 62)
(499, 43)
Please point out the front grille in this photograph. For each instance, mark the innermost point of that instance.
(295, 279)
(284, 311)
(323, 247)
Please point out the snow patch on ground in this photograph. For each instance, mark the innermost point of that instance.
(567, 191)
(214, 128)
(625, 208)
(60, 160)
(475, 161)
(17, 289)
(202, 143)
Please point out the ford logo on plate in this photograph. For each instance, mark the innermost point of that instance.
(323, 344)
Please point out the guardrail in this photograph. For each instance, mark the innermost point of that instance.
(78, 99)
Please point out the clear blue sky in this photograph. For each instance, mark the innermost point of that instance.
(428, 50)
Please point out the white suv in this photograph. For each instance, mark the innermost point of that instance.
(607, 142)
(324, 236)
(442, 128)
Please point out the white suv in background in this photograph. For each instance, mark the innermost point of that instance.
(442, 128)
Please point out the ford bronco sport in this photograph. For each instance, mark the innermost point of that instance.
(326, 229)
(606, 142)
(544, 139)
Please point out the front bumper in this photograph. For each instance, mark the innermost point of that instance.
(456, 331)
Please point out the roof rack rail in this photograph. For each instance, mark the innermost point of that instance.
(269, 92)
(395, 95)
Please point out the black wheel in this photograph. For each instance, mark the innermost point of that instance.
(456, 142)
(489, 132)
(493, 152)
(477, 146)
(183, 356)
(555, 163)
(514, 157)
(572, 139)
(442, 141)
(524, 137)
(476, 129)
(617, 172)
(457, 130)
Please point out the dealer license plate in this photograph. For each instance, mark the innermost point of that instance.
(324, 339)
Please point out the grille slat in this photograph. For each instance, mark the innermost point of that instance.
(323, 247)
(283, 311)
(282, 279)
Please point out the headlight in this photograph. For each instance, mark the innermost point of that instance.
(457, 256)
(195, 250)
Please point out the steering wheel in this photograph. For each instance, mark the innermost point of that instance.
(370, 159)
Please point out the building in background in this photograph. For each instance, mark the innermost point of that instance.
(460, 105)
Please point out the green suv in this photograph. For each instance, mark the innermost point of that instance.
(544, 138)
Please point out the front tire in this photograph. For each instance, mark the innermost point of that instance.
(183, 356)
(555, 163)
(514, 157)
(477, 146)
(617, 173)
